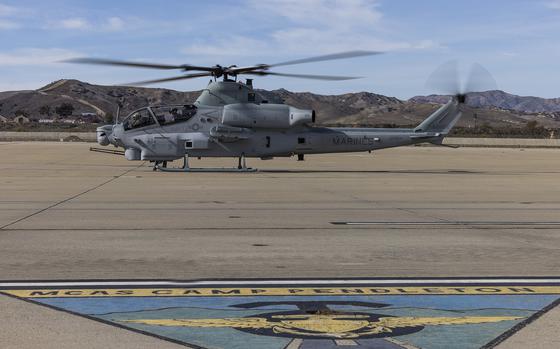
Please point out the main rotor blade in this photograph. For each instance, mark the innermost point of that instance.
(341, 55)
(148, 82)
(103, 61)
(306, 76)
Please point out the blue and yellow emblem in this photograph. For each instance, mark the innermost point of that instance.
(324, 314)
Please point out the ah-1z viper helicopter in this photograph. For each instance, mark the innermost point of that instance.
(231, 119)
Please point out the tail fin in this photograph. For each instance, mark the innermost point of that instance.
(443, 119)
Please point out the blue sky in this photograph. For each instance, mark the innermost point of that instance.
(517, 41)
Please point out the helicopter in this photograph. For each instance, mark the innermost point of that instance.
(231, 119)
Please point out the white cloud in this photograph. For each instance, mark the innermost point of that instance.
(326, 26)
(6, 10)
(425, 45)
(316, 40)
(313, 27)
(7, 24)
(7, 14)
(554, 5)
(35, 56)
(114, 24)
(111, 24)
(231, 46)
(299, 42)
(332, 13)
(325, 41)
(509, 54)
(73, 23)
(13, 18)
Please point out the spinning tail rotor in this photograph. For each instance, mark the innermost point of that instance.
(445, 79)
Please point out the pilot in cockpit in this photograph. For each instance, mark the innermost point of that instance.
(136, 120)
(168, 118)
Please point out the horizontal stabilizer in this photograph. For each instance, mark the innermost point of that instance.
(426, 135)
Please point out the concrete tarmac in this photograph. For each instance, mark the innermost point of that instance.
(67, 213)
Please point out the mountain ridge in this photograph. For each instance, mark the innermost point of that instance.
(497, 108)
(500, 99)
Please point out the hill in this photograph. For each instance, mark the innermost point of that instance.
(85, 98)
(493, 108)
(501, 100)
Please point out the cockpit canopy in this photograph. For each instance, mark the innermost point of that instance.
(159, 115)
(170, 114)
(139, 118)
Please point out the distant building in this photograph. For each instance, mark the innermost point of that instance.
(97, 119)
(3, 119)
(76, 121)
(21, 119)
(89, 118)
(46, 121)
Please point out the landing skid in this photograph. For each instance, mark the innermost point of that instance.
(242, 167)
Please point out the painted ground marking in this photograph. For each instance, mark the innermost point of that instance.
(396, 313)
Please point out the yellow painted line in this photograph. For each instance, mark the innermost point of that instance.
(283, 291)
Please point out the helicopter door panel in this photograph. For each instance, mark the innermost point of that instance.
(164, 146)
(304, 143)
(195, 140)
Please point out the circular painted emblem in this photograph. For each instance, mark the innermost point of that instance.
(331, 325)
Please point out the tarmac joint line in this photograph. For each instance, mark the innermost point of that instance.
(70, 198)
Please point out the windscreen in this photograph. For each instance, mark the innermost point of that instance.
(167, 115)
(139, 118)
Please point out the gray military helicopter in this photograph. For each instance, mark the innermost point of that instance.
(231, 119)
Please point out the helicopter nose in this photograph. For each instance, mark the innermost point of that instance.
(116, 133)
(103, 134)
